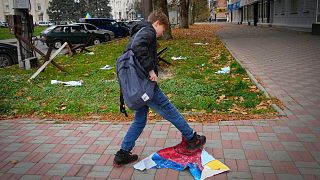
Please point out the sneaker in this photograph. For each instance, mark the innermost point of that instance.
(196, 142)
(123, 157)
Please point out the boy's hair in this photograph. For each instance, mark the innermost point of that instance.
(157, 15)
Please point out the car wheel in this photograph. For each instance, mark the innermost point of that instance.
(5, 60)
(96, 41)
(57, 44)
(108, 38)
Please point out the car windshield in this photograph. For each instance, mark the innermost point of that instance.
(48, 29)
(114, 23)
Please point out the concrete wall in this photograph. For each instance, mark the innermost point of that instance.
(303, 16)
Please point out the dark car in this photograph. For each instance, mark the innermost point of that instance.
(108, 24)
(124, 24)
(56, 35)
(92, 28)
(8, 55)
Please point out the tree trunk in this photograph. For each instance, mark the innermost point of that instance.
(184, 10)
(193, 12)
(147, 8)
(163, 6)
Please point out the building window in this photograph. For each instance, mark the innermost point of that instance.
(40, 17)
(282, 5)
(294, 6)
(38, 6)
(307, 6)
(7, 8)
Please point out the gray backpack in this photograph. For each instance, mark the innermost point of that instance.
(136, 90)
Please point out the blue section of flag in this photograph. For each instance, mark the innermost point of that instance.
(166, 163)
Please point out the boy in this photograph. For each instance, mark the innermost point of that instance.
(145, 50)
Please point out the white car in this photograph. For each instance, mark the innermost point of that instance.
(43, 23)
(92, 28)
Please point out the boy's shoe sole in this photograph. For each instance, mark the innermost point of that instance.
(120, 165)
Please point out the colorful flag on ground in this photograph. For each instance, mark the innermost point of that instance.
(201, 164)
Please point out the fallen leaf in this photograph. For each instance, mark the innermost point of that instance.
(221, 98)
(19, 93)
(14, 162)
(191, 119)
(29, 98)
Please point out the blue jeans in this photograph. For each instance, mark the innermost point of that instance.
(161, 105)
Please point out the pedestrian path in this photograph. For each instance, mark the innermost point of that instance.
(286, 63)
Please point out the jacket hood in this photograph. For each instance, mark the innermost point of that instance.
(136, 26)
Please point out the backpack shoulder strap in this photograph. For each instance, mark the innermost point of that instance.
(122, 106)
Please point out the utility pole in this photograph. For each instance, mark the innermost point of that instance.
(147, 8)
(23, 27)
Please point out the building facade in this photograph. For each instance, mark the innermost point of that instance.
(38, 9)
(123, 9)
(287, 13)
(218, 10)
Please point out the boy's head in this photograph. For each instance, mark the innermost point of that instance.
(159, 21)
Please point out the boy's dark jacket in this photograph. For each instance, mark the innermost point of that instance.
(145, 45)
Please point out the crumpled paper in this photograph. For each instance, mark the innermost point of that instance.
(178, 58)
(68, 83)
(106, 67)
(225, 70)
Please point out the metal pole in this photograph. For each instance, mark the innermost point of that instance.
(24, 49)
(317, 11)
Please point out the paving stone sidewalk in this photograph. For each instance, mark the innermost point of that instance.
(283, 148)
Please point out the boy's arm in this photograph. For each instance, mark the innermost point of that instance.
(143, 50)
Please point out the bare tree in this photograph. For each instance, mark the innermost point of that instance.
(163, 6)
(184, 13)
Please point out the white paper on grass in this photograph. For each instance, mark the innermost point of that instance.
(106, 67)
(224, 70)
(146, 163)
(68, 83)
(178, 58)
(206, 157)
(199, 43)
(90, 53)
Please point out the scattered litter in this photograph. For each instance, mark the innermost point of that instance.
(224, 70)
(106, 67)
(110, 80)
(68, 83)
(178, 58)
(202, 44)
(90, 53)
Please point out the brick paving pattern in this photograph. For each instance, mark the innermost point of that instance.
(286, 63)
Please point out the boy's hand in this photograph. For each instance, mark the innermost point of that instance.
(153, 76)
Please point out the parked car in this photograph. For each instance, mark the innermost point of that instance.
(8, 55)
(129, 23)
(58, 34)
(124, 24)
(108, 24)
(43, 23)
(92, 28)
(3, 24)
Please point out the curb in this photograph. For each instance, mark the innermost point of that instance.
(254, 80)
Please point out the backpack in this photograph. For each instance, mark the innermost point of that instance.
(136, 90)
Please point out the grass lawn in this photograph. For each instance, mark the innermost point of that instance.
(191, 84)
(5, 34)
